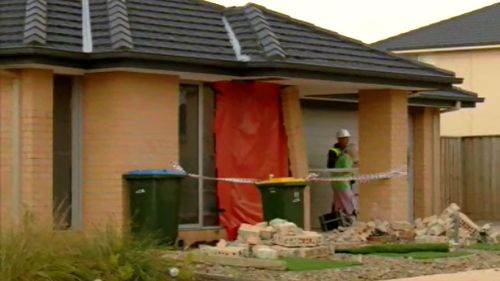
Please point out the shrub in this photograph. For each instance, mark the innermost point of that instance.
(33, 253)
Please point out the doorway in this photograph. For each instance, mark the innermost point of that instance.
(66, 152)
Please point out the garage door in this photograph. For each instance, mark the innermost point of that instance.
(321, 122)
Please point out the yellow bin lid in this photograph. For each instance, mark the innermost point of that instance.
(282, 182)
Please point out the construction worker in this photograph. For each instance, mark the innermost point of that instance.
(341, 156)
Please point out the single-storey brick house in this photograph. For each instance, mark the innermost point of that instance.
(92, 89)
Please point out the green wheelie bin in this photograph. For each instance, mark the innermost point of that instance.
(154, 203)
(283, 198)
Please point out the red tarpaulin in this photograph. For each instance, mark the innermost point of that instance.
(250, 143)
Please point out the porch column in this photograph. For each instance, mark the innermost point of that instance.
(423, 146)
(297, 152)
(130, 122)
(383, 134)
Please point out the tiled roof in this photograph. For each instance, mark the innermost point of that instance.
(477, 28)
(198, 31)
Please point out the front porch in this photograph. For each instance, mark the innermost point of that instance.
(117, 123)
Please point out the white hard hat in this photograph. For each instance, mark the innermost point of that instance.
(343, 133)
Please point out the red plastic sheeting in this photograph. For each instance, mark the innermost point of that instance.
(250, 143)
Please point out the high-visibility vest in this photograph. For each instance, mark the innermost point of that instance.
(337, 151)
(343, 161)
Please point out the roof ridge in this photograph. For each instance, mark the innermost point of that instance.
(266, 37)
(121, 36)
(436, 23)
(352, 40)
(35, 22)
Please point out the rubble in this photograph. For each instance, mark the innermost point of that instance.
(279, 238)
(306, 239)
(265, 252)
(249, 234)
(432, 229)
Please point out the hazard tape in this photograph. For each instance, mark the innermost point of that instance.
(312, 178)
(178, 168)
(361, 178)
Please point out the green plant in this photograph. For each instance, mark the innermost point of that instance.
(298, 264)
(396, 248)
(424, 255)
(486, 247)
(30, 252)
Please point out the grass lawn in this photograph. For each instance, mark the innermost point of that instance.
(486, 247)
(396, 248)
(424, 255)
(298, 264)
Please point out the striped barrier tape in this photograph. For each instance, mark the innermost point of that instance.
(313, 178)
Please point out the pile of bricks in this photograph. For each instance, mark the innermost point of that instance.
(272, 240)
(433, 229)
(441, 229)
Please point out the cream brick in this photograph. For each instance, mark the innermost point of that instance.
(130, 122)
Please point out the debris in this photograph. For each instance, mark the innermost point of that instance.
(430, 239)
(437, 229)
(382, 226)
(265, 252)
(239, 261)
(285, 251)
(430, 220)
(221, 244)
(249, 234)
(401, 225)
(279, 238)
(224, 252)
(315, 252)
(419, 224)
(173, 272)
(267, 233)
(432, 229)
(287, 229)
(306, 239)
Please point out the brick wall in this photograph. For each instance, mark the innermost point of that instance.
(130, 122)
(383, 134)
(36, 142)
(5, 149)
(26, 146)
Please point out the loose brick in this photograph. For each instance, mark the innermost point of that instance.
(267, 233)
(265, 252)
(306, 239)
(315, 252)
(286, 229)
(286, 252)
(224, 252)
(401, 225)
(249, 234)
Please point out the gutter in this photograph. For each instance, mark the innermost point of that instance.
(458, 106)
(243, 69)
(446, 49)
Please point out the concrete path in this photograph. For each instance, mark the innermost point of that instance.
(476, 275)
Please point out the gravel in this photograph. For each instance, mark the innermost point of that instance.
(373, 268)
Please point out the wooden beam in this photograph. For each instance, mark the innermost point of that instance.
(297, 152)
